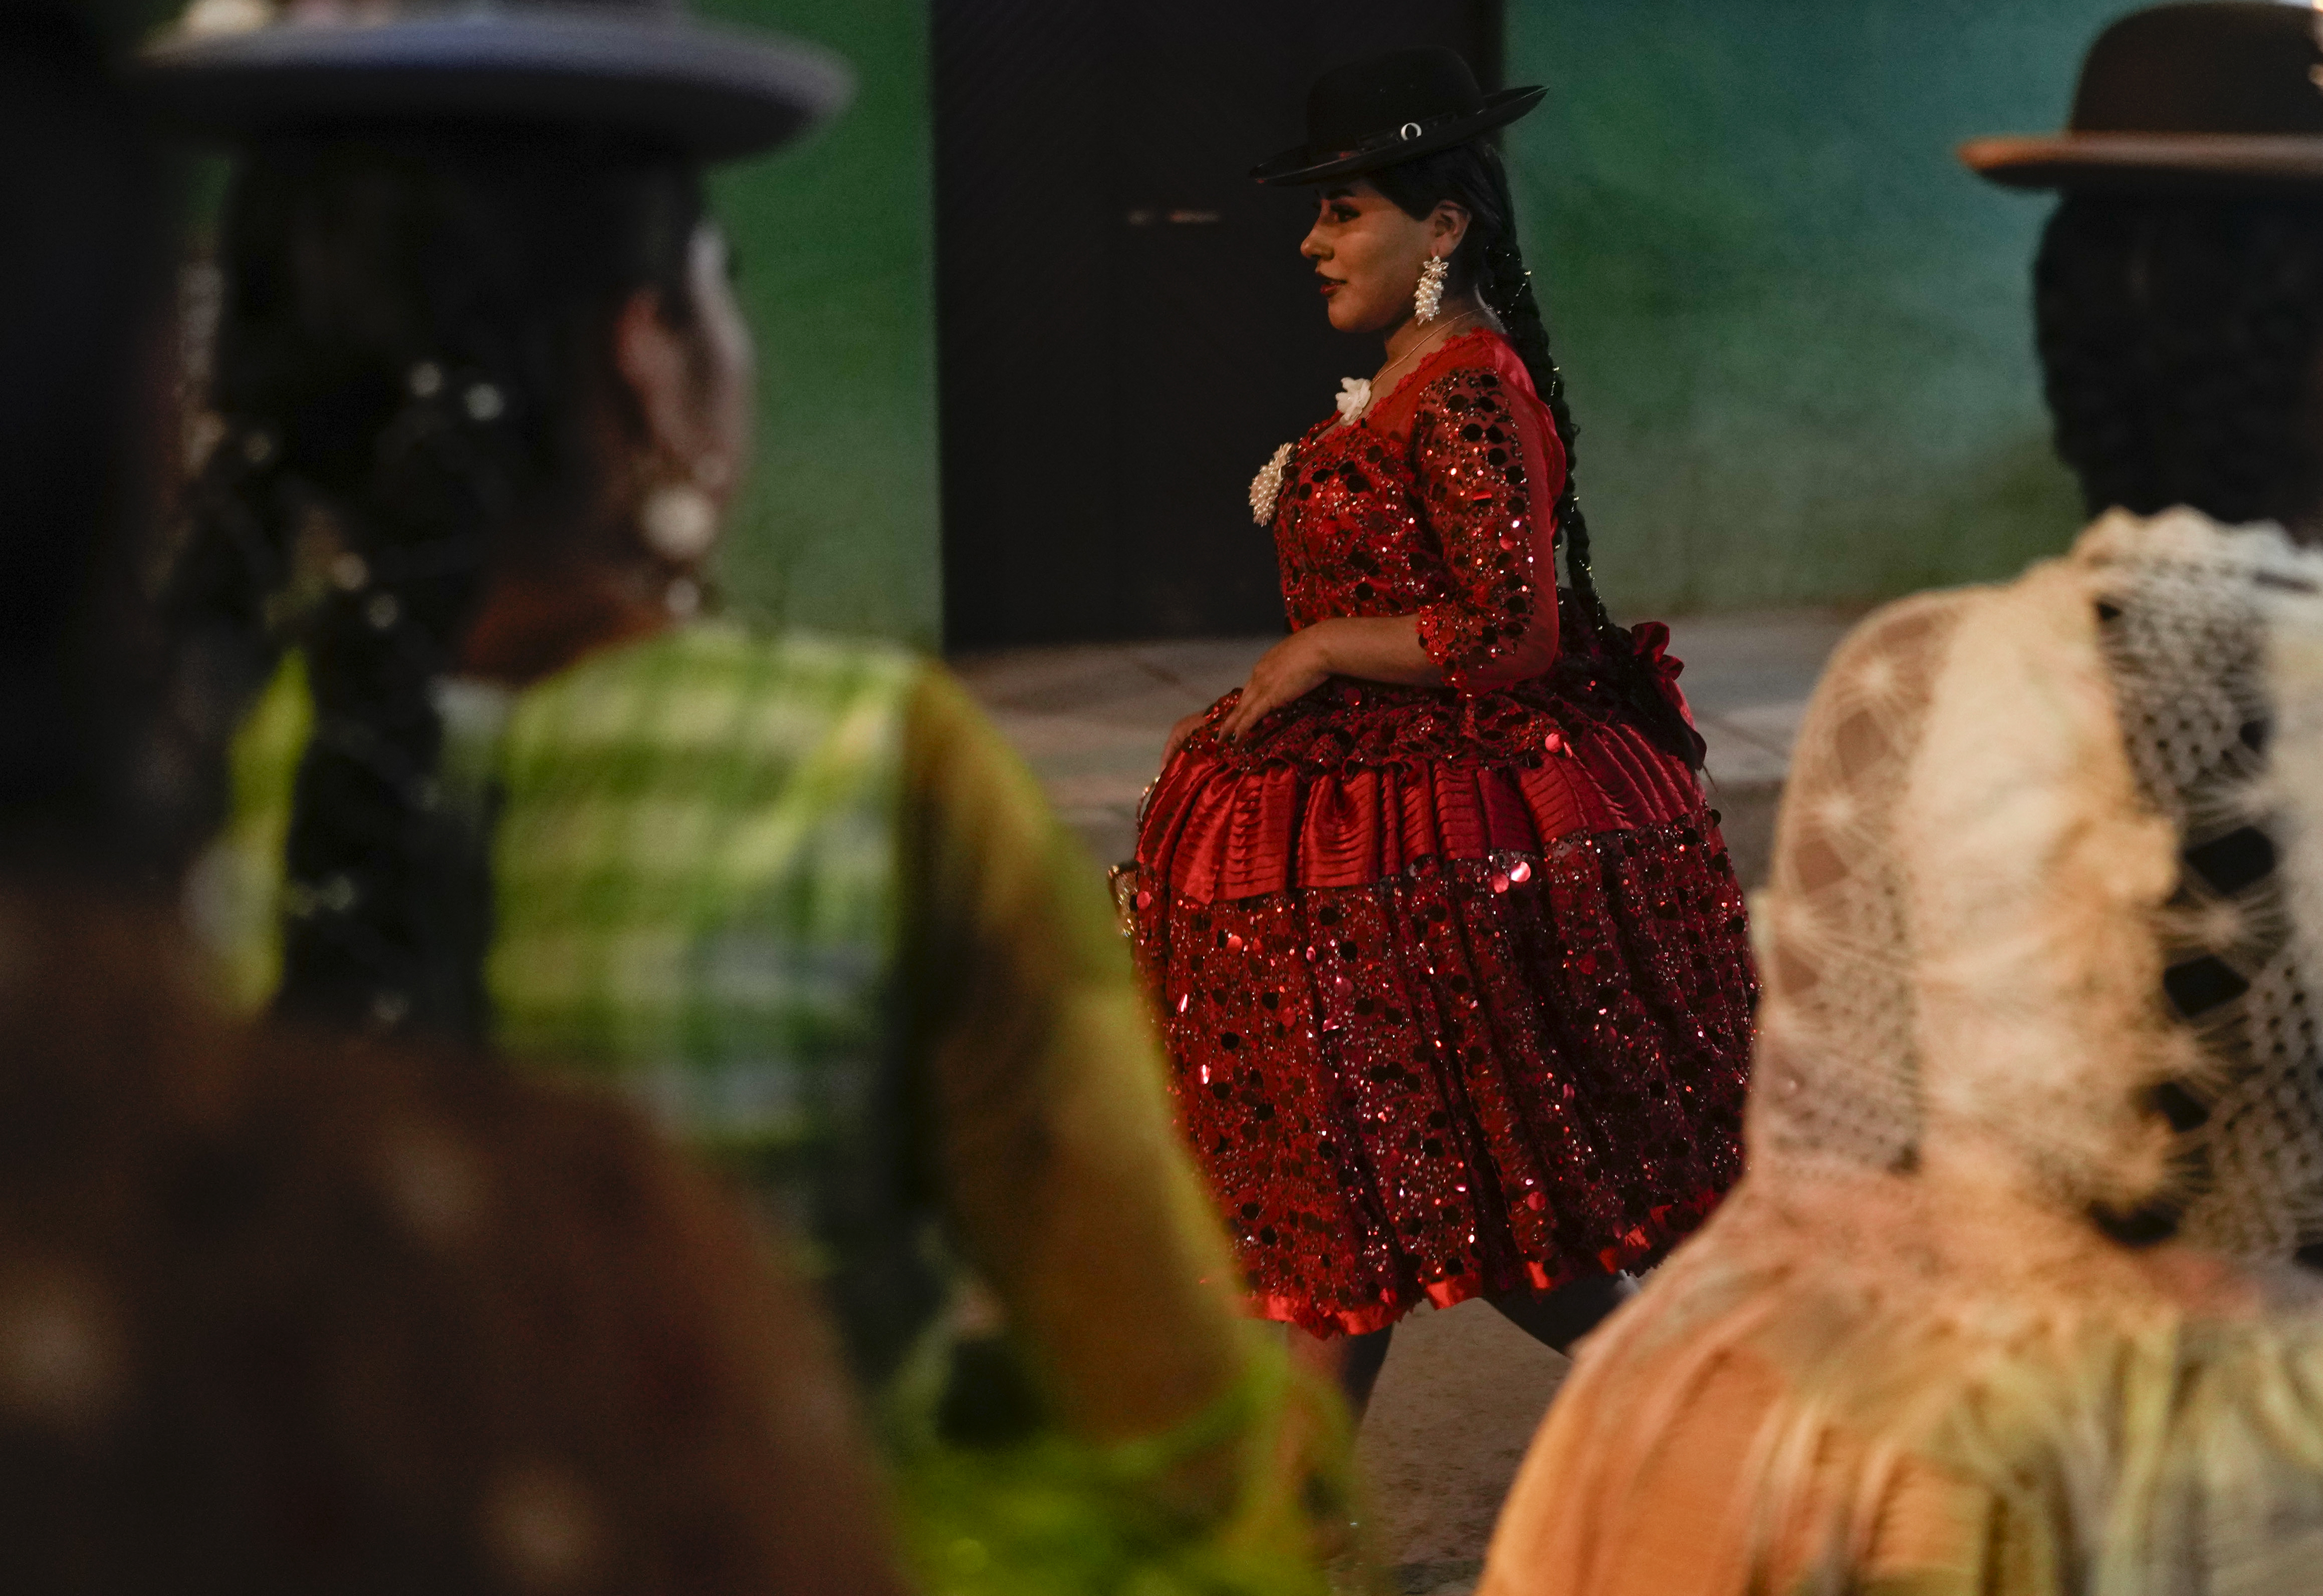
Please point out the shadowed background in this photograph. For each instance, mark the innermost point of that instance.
(1795, 331)
(838, 528)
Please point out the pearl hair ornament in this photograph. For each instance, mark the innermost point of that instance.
(479, 400)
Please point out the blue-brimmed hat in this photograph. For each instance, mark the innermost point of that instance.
(243, 68)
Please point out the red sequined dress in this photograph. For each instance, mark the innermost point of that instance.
(1455, 980)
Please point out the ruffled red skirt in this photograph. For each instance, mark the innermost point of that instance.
(1457, 994)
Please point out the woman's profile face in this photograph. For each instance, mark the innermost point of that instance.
(1368, 254)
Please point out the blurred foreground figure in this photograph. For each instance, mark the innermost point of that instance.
(282, 1313)
(286, 1313)
(2005, 1303)
(480, 394)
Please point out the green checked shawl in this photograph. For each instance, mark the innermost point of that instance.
(695, 876)
(698, 856)
(695, 897)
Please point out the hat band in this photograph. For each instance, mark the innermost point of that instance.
(1407, 133)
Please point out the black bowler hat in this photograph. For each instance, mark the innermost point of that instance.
(644, 68)
(1388, 108)
(2218, 93)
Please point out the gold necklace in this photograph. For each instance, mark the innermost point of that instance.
(1372, 387)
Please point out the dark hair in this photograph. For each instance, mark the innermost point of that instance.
(1491, 262)
(412, 359)
(2179, 340)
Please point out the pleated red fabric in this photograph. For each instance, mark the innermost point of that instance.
(1217, 828)
(1456, 980)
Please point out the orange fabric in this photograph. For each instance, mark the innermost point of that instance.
(1660, 1503)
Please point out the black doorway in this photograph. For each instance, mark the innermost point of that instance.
(1125, 330)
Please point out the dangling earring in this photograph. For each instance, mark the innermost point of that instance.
(1429, 296)
(678, 522)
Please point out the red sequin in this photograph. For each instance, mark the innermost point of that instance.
(1440, 503)
(1456, 981)
(1468, 1090)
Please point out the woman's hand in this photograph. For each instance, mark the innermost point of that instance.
(1180, 733)
(1289, 670)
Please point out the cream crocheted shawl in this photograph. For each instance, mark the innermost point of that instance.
(2042, 950)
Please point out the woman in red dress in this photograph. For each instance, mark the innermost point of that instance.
(1452, 962)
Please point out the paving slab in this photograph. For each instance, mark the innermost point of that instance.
(1456, 1406)
(1090, 719)
(1747, 676)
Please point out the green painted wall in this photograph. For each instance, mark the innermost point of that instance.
(838, 528)
(1796, 332)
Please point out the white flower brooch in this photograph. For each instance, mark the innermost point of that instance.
(1266, 487)
(1355, 396)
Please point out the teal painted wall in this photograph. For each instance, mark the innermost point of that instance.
(1796, 333)
(837, 528)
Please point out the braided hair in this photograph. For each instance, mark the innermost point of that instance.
(1491, 262)
(412, 370)
(2179, 339)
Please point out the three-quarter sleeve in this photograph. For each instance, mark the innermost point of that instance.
(1489, 467)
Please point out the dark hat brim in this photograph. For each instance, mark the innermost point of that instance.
(711, 92)
(2158, 162)
(1295, 167)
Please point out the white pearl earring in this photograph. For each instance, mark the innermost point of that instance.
(1429, 296)
(678, 522)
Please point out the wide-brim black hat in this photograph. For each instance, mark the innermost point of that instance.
(2218, 93)
(631, 67)
(1388, 109)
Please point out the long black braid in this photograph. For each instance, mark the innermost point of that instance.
(1491, 260)
(2180, 339)
(412, 366)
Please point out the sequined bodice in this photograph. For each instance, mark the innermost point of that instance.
(1441, 503)
(1349, 539)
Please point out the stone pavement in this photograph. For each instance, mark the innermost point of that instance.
(1463, 1390)
(1748, 677)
